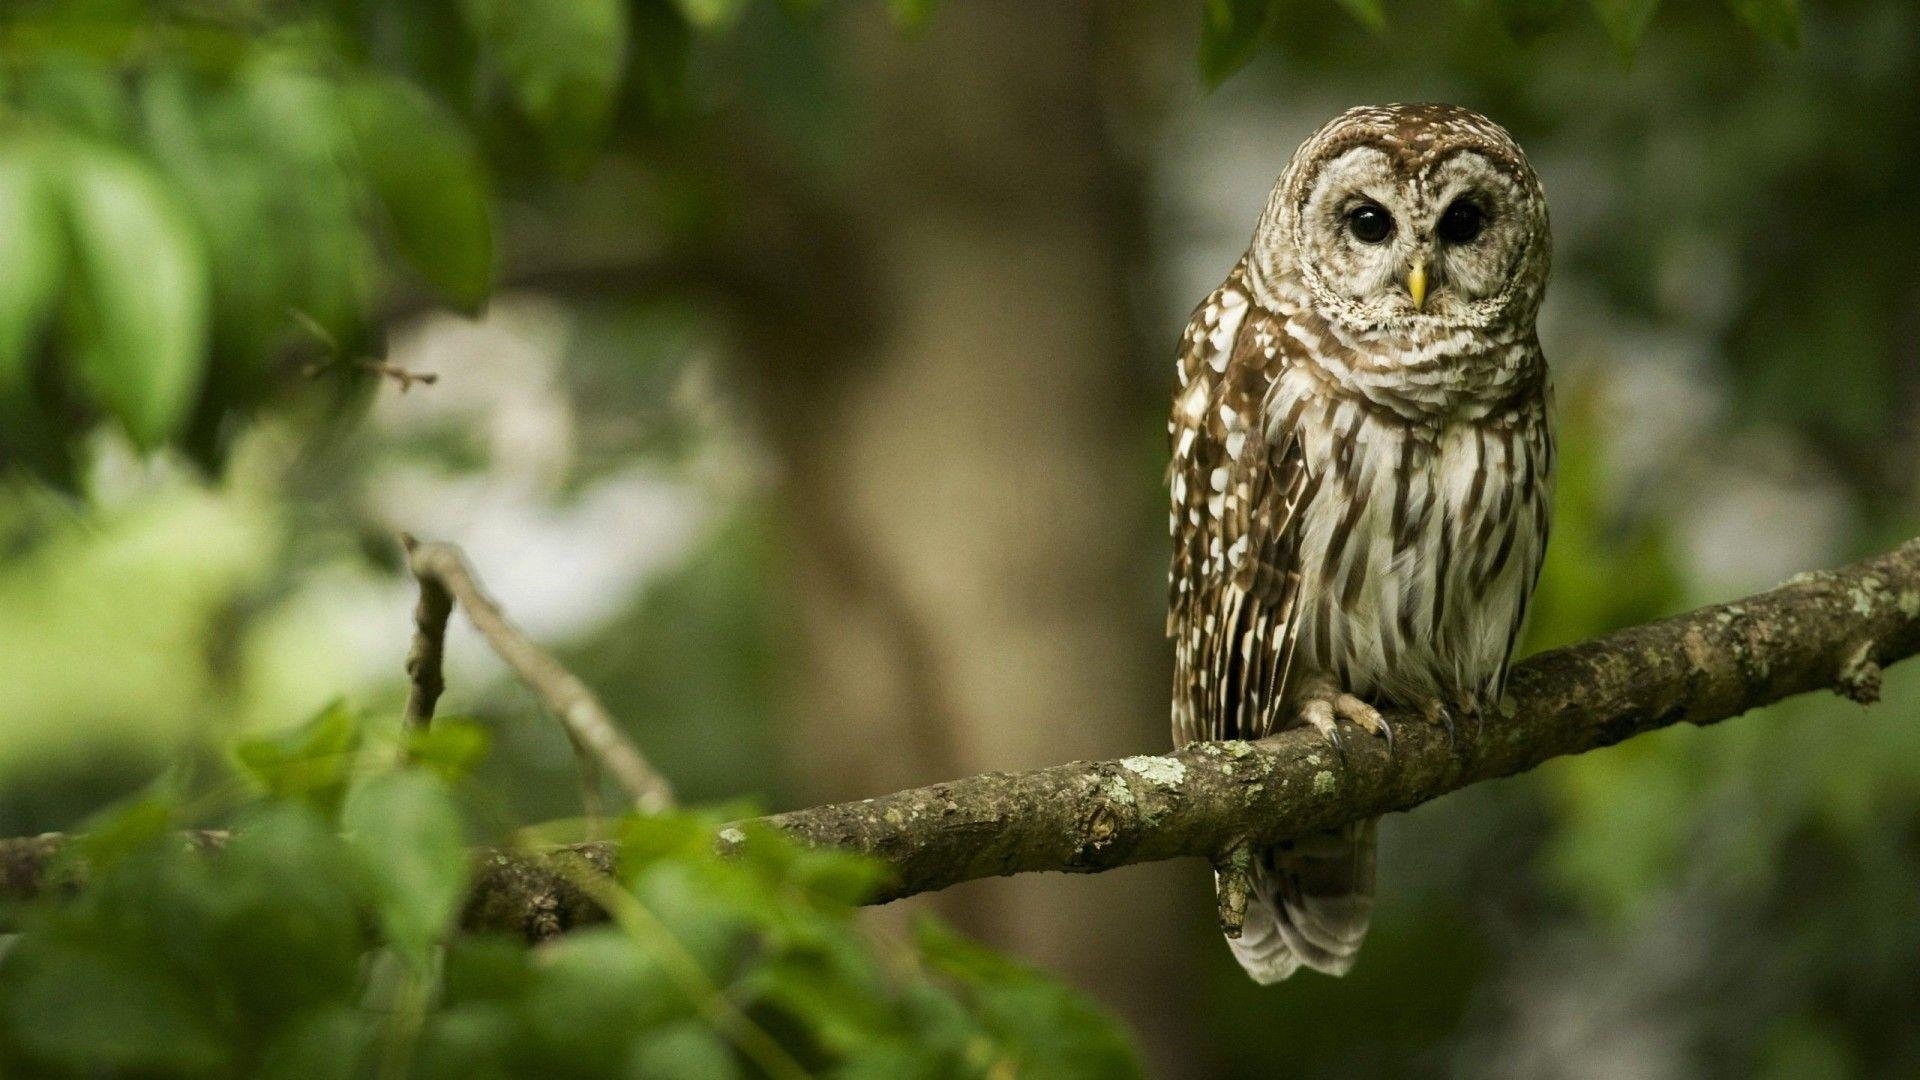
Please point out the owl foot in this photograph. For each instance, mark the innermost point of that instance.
(1322, 711)
(1435, 711)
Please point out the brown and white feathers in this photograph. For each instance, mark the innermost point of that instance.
(1361, 471)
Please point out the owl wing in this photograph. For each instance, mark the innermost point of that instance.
(1238, 482)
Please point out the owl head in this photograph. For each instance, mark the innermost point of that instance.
(1410, 219)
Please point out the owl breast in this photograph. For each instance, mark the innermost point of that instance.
(1419, 541)
(1329, 535)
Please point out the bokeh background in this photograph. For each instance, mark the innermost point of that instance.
(817, 420)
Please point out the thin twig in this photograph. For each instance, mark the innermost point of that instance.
(586, 721)
(427, 658)
(404, 378)
(587, 771)
(334, 356)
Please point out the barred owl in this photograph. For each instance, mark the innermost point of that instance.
(1362, 465)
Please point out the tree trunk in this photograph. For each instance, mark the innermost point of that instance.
(972, 487)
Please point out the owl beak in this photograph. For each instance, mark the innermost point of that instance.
(1417, 284)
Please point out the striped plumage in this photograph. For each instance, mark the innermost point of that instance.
(1360, 481)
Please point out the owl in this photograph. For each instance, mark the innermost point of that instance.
(1361, 472)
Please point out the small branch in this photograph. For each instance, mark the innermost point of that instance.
(441, 567)
(427, 657)
(405, 378)
(587, 774)
(533, 895)
(32, 866)
(1860, 676)
(1233, 875)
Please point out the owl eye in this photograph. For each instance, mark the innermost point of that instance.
(1370, 223)
(1462, 222)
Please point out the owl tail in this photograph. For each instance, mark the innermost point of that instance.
(1310, 904)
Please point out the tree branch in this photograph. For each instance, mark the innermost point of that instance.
(1832, 630)
(445, 578)
(426, 659)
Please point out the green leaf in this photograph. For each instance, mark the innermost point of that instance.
(285, 907)
(118, 831)
(451, 748)
(833, 879)
(137, 305)
(34, 251)
(1776, 19)
(1231, 34)
(562, 58)
(96, 1005)
(1042, 1027)
(273, 246)
(426, 175)
(685, 1050)
(75, 92)
(329, 1044)
(661, 838)
(598, 979)
(1625, 21)
(407, 832)
(839, 878)
(311, 763)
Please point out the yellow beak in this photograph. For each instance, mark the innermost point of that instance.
(1417, 284)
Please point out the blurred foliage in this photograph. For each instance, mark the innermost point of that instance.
(1601, 571)
(67, 602)
(194, 193)
(317, 942)
(1233, 30)
(201, 197)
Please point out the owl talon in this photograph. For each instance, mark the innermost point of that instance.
(1365, 717)
(1436, 712)
(1319, 715)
